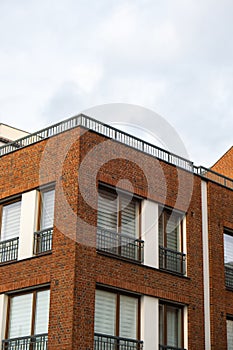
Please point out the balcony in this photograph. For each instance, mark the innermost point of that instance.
(108, 342)
(9, 250)
(43, 241)
(120, 245)
(36, 342)
(167, 347)
(229, 276)
(171, 260)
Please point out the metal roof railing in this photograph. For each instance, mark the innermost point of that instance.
(121, 137)
(213, 176)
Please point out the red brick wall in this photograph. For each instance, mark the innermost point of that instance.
(157, 181)
(21, 171)
(220, 209)
(74, 269)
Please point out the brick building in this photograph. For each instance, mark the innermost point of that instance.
(108, 242)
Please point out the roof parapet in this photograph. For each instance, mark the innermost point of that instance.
(121, 137)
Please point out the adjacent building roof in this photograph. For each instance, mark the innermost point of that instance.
(224, 165)
(9, 134)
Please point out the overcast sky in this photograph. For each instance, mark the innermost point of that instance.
(60, 57)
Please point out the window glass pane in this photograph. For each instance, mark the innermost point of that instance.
(10, 220)
(107, 210)
(47, 209)
(228, 249)
(229, 335)
(20, 316)
(173, 326)
(128, 216)
(42, 312)
(172, 231)
(161, 325)
(161, 230)
(105, 312)
(128, 317)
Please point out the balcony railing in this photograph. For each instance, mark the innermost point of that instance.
(229, 276)
(172, 260)
(107, 342)
(43, 241)
(120, 244)
(167, 347)
(9, 250)
(35, 342)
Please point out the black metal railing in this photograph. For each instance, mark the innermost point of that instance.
(43, 241)
(120, 244)
(103, 129)
(213, 176)
(229, 276)
(119, 136)
(168, 347)
(9, 250)
(35, 342)
(172, 260)
(107, 342)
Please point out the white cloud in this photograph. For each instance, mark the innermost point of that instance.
(132, 34)
(86, 75)
(174, 56)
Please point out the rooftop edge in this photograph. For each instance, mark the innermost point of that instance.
(121, 137)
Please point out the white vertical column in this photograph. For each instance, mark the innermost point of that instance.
(27, 224)
(150, 233)
(150, 323)
(3, 313)
(184, 237)
(205, 243)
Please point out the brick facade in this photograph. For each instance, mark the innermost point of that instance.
(76, 161)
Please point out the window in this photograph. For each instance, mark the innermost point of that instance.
(47, 209)
(10, 227)
(230, 333)
(116, 321)
(43, 237)
(228, 258)
(28, 317)
(118, 224)
(171, 256)
(170, 326)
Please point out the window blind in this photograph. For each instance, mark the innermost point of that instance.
(107, 210)
(128, 216)
(47, 210)
(229, 335)
(10, 221)
(105, 312)
(172, 230)
(128, 317)
(173, 326)
(42, 312)
(228, 249)
(20, 316)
